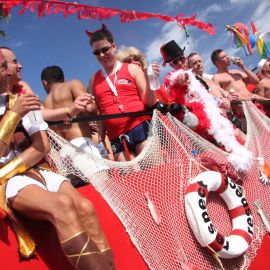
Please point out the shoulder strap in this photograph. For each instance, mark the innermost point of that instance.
(203, 82)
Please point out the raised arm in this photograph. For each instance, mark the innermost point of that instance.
(39, 148)
(79, 105)
(249, 77)
(9, 122)
(78, 89)
(142, 82)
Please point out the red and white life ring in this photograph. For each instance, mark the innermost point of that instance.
(207, 235)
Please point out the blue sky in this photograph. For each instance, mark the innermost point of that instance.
(54, 40)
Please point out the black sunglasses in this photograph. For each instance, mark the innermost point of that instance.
(102, 50)
(175, 61)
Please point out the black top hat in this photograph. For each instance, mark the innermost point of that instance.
(170, 51)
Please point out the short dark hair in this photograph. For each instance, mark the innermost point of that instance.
(3, 47)
(52, 74)
(215, 54)
(100, 34)
(192, 54)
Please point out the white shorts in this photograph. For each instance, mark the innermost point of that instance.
(18, 182)
(87, 145)
(89, 165)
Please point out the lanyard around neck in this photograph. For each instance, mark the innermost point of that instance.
(112, 85)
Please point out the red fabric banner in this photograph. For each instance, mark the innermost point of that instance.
(48, 7)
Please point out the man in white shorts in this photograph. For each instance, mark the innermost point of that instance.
(41, 194)
(61, 94)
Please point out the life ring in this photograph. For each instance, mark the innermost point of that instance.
(239, 240)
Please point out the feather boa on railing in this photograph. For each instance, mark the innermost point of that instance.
(220, 127)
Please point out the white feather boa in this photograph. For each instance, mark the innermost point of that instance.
(221, 128)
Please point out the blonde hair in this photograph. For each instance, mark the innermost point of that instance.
(125, 54)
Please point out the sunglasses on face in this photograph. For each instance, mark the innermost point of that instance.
(104, 50)
(181, 59)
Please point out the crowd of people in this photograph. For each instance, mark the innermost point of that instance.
(121, 85)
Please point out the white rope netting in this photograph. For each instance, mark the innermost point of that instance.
(161, 173)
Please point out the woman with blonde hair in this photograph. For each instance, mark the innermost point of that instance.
(132, 55)
(135, 56)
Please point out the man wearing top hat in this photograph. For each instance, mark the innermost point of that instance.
(178, 90)
(173, 55)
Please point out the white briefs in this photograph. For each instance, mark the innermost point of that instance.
(87, 145)
(32, 122)
(18, 182)
(91, 163)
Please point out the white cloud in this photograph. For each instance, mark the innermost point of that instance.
(215, 8)
(174, 2)
(261, 16)
(19, 44)
(241, 2)
(168, 32)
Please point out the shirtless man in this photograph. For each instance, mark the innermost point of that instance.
(263, 88)
(61, 94)
(233, 81)
(195, 62)
(43, 195)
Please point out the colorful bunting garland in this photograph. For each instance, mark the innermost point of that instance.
(93, 12)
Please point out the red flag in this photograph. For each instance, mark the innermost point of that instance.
(253, 27)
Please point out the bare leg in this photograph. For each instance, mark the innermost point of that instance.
(84, 255)
(87, 215)
(91, 224)
(139, 147)
(57, 208)
(60, 210)
(121, 156)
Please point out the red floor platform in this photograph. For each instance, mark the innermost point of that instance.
(50, 256)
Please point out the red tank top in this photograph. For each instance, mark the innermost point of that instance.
(128, 97)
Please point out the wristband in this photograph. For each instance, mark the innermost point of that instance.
(14, 167)
(67, 109)
(8, 125)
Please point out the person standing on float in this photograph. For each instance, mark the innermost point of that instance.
(119, 88)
